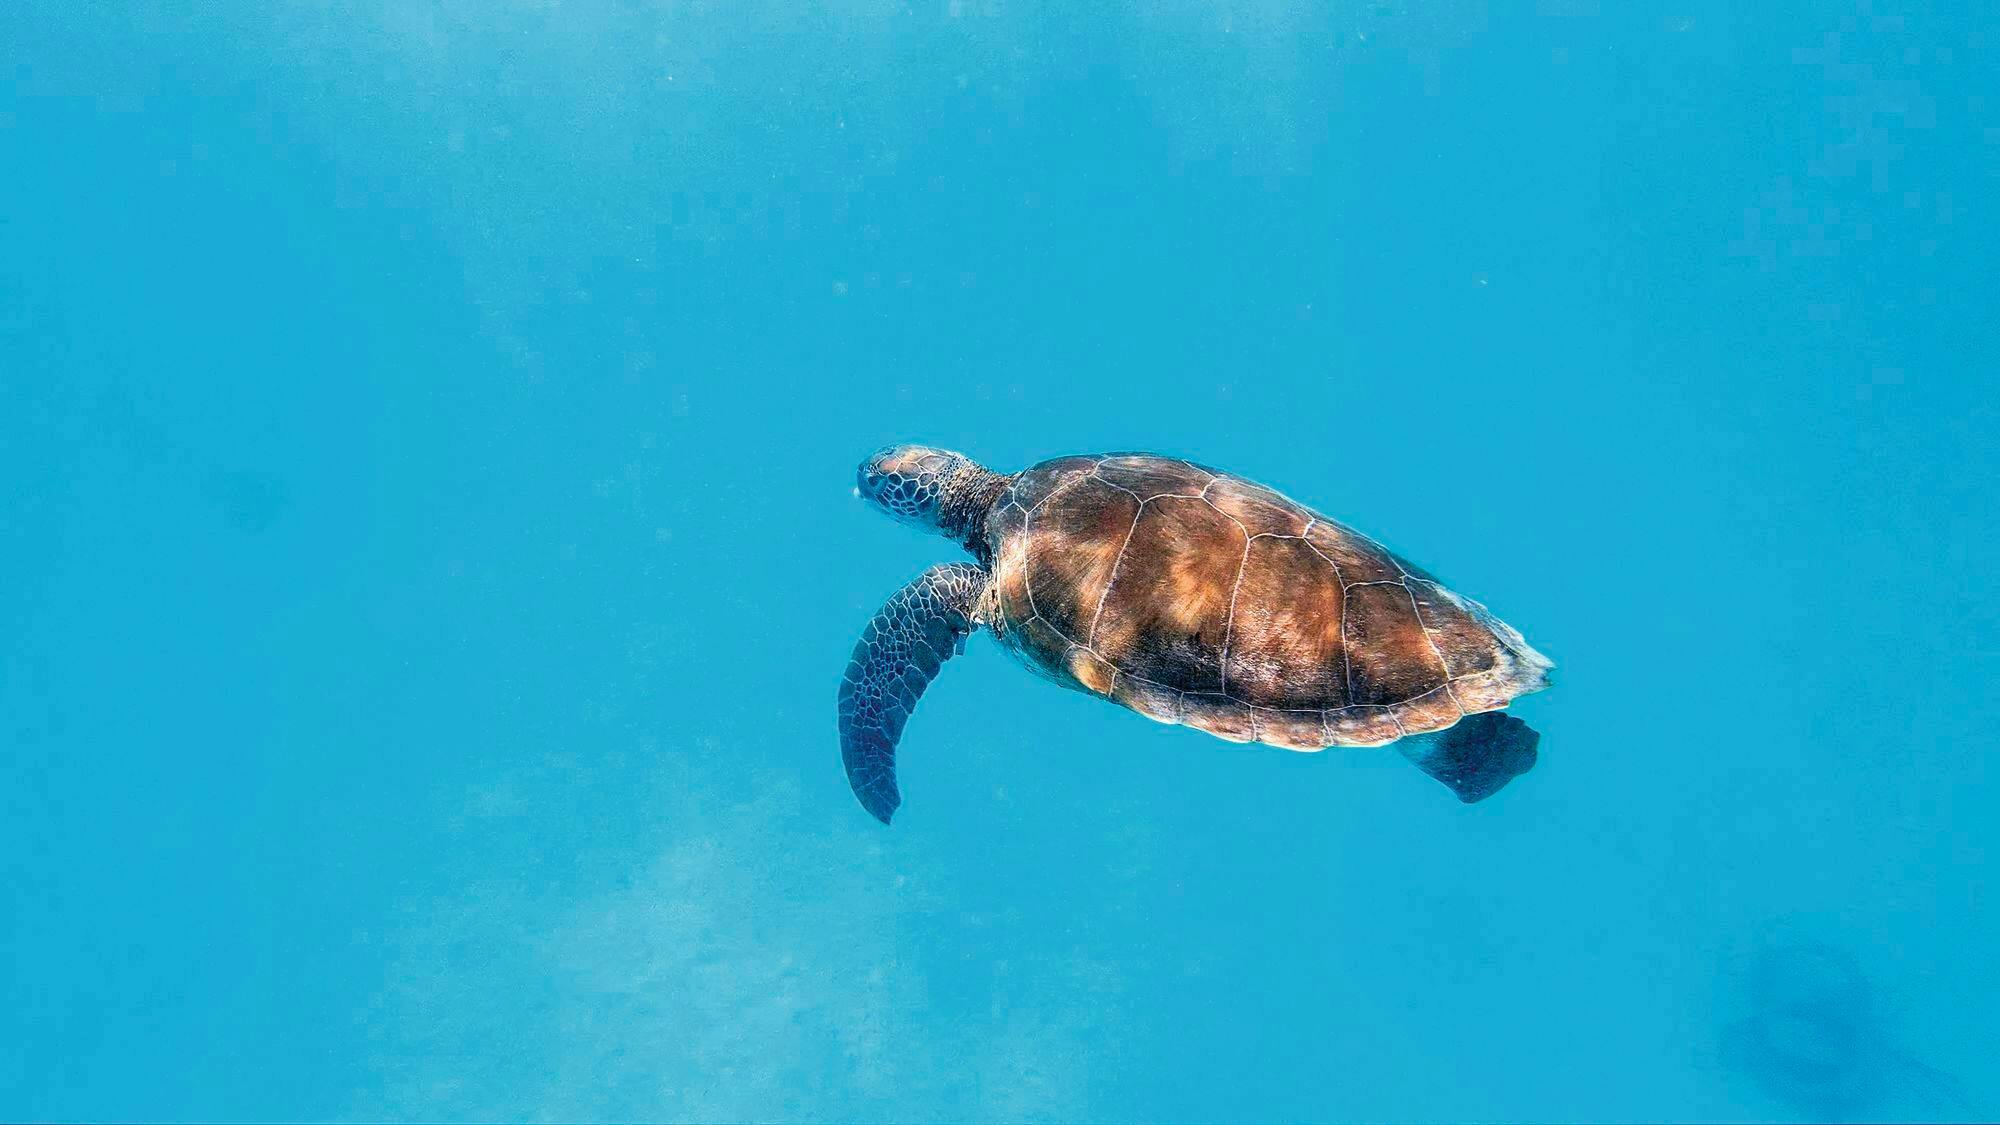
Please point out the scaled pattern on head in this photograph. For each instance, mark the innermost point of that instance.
(909, 481)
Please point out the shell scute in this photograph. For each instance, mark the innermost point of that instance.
(1466, 645)
(1090, 669)
(1390, 658)
(1155, 701)
(1433, 710)
(1285, 633)
(1362, 726)
(1045, 648)
(1260, 510)
(1357, 557)
(1074, 540)
(1166, 616)
(1293, 730)
(1490, 691)
(1150, 477)
(1221, 716)
(1033, 487)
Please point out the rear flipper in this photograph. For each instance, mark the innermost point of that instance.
(1477, 756)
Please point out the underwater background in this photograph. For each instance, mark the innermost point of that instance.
(427, 556)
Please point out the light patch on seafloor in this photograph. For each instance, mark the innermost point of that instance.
(760, 965)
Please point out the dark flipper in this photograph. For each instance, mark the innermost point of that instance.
(920, 628)
(1476, 756)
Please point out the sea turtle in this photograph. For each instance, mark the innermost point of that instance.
(1192, 597)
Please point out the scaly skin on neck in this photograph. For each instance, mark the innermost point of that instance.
(968, 499)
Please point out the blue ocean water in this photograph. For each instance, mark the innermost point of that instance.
(428, 559)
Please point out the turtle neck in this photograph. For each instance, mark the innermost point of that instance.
(968, 498)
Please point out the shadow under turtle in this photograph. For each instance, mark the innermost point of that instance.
(1814, 1039)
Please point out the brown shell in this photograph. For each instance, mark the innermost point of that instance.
(1195, 597)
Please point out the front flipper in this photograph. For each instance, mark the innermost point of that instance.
(1477, 755)
(900, 653)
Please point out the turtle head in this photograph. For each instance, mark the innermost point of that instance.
(913, 482)
(935, 489)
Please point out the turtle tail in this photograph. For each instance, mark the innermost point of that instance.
(1477, 756)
